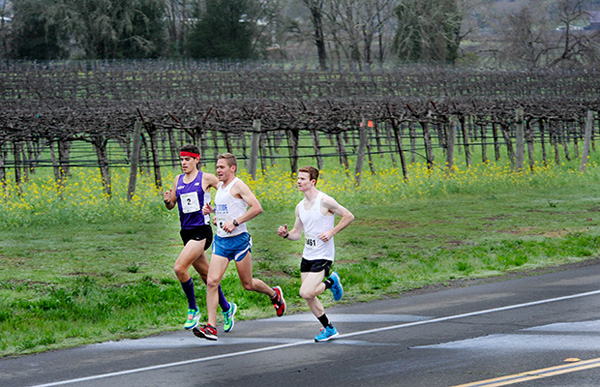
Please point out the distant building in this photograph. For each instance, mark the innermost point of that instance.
(594, 21)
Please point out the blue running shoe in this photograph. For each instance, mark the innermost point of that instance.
(228, 317)
(327, 334)
(336, 288)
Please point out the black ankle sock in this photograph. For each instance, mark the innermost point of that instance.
(328, 283)
(324, 320)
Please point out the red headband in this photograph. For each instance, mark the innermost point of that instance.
(189, 154)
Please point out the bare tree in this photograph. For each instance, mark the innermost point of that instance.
(349, 29)
(577, 46)
(178, 15)
(428, 31)
(316, 8)
(543, 35)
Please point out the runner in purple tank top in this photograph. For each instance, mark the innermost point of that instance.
(190, 192)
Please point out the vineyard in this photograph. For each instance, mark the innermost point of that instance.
(62, 115)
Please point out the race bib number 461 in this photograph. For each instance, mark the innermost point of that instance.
(311, 242)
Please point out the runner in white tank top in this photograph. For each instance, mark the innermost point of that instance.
(315, 217)
(235, 204)
(228, 208)
(315, 223)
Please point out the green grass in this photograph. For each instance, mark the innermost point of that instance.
(80, 271)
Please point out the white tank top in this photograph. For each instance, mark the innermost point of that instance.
(228, 208)
(316, 223)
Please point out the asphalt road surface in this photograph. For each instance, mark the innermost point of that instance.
(541, 330)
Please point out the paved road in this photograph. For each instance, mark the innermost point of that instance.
(541, 330)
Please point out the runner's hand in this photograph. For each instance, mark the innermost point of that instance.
(282, 230)
(207, 209)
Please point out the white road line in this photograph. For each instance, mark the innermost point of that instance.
(296, 344)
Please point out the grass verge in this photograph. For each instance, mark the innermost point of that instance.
(91, 273)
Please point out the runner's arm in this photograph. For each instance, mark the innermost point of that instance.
(295, 233)
(254, 207)
(334, 207)
(170, 196)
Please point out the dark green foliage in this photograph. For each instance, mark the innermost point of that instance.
(97, 29)
(225, 31)
(37, 34)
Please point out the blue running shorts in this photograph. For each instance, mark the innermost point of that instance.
(233, 248)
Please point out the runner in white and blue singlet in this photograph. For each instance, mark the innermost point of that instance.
(315, 217)
(190, 191)
(235, 204)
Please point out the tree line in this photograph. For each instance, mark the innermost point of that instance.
(330, 33)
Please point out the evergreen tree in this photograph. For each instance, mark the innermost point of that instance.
(101, 29)
(225, 31)
(37, 31)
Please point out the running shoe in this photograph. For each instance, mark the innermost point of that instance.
(192, 319)
(327, 334)
(336, 288)
(228, 317)
(278, 301)
(207, 332)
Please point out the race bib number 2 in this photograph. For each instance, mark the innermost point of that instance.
(190, 202)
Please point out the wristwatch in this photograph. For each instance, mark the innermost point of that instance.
(235, 223)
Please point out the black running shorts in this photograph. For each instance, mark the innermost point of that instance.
(315, 266)
(197, 234)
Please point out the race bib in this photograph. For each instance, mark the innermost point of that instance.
(221, 220)
(221, 214)
(190, 202)
(311, 242)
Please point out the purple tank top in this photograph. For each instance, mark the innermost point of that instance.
(190, 200)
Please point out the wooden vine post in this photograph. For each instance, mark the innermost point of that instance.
(100, 142)
(398, 138)
(135, 159)
(292, 135)
(450, 141)
(520, 140)
(17, 157)
(465, 135)
(542, 141)
(362, 145)
(428, 146)
(589, 126)
(153, 134)
(255, 143)
(341, 150)
(317, 147)
(529, 140)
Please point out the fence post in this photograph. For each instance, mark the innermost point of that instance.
(520, 139)
(362, 136)
(135, 158)
(255, 143)
(589, 125)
